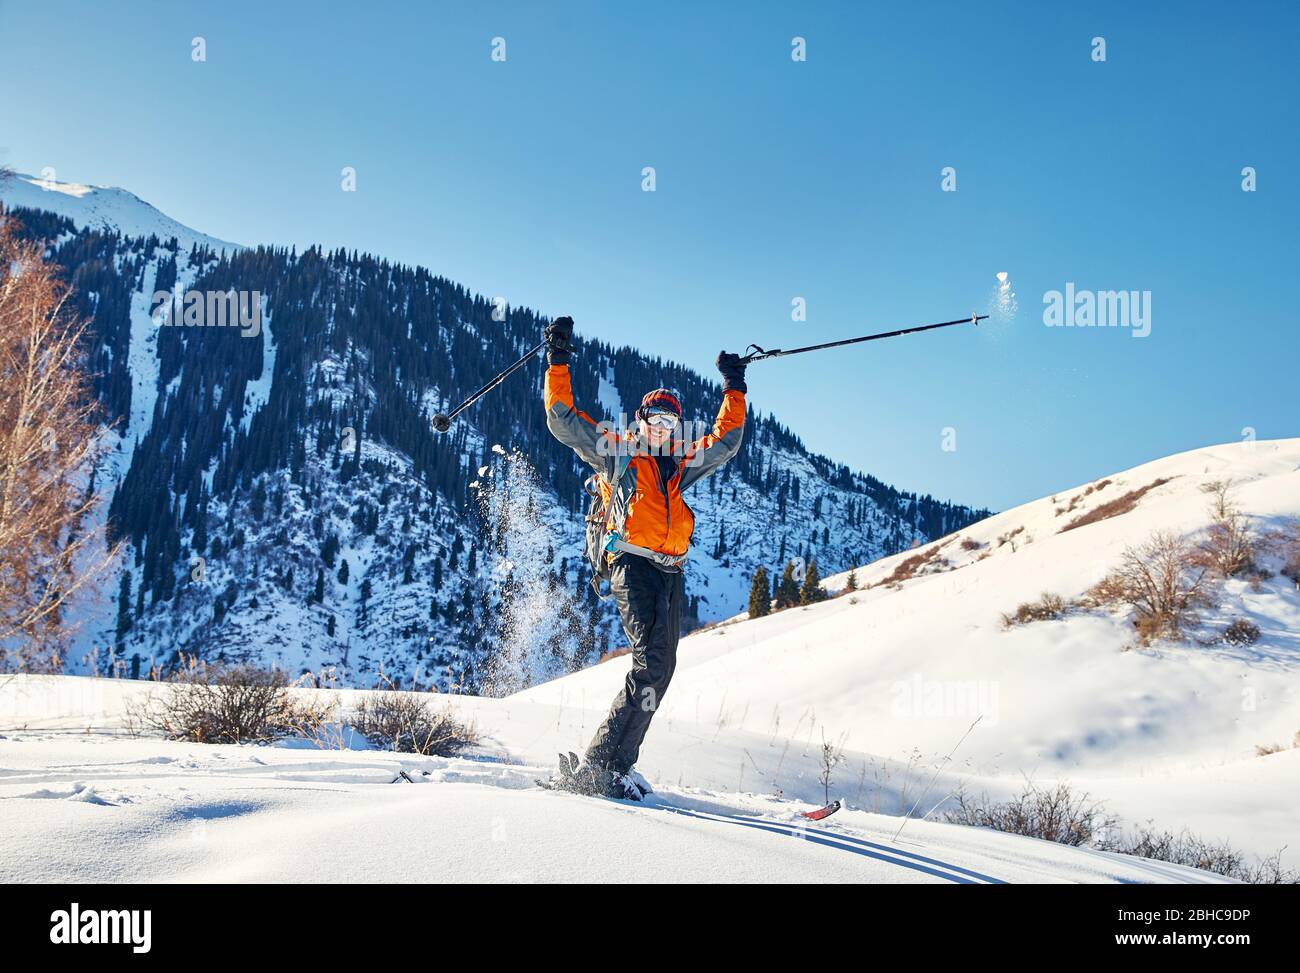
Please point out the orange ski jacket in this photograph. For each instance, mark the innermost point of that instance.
(647, 510)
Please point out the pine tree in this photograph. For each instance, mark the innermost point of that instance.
(363, 608)
(759, 603)
(852, 583)
(329, 549)
(811, 592)
(787, 593)
(124, 606)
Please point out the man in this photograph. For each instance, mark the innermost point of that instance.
(648, 532)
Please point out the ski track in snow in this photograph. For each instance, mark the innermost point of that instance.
(104, 809)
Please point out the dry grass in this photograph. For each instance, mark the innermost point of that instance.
(909, 567)
(1048, 606)
(1078, 498)
(1120, 505)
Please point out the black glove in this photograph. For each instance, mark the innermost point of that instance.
(733, 372)
(559, 340)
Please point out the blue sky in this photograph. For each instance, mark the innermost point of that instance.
(775, 180)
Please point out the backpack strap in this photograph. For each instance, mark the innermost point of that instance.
(622, 460)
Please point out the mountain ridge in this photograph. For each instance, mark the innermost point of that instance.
(284, 500)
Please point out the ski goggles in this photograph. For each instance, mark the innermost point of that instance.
(664, 420)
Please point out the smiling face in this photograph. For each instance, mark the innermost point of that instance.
(658, 426)
(655, 435)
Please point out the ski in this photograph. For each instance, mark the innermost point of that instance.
(822, 812)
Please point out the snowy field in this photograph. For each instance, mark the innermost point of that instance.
(78, 806)
(900, 675)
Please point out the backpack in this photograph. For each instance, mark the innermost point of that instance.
(597, 529)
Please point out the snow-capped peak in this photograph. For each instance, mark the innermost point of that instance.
(101, 207)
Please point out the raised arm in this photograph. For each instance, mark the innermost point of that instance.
(567, 423)
(570, 425)
(708, 453)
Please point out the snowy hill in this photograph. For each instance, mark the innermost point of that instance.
(912, 660)
(102, 208)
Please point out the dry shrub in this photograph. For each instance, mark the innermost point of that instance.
(408, 723)
(1284, 543)
(1061, 816)
(1078, 497)
(1048, 606)
(1241, 632)
(970, 544)
(50, 548)
(1120, 505)
(1162, 581)
(1053, 815)
(1193, 851)
(1010, 537)
(1228, 548)
(227, 704)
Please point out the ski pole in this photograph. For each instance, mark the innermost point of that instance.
(442, 421)
(760, 353)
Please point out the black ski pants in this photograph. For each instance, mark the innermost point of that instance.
(649, 601)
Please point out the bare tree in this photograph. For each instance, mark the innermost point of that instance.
(1229, 544)
(1162, 581)
(832, 755)
(49, 443)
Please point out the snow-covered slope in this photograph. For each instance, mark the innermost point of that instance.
(93, 806)
(906, 666)
(914, 676)
(102, 207)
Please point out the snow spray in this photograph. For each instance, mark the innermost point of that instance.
(539, 628)
(1003, 305)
